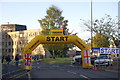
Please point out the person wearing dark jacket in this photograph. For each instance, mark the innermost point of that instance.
(3, 57)
(17, 58)
(8, 59)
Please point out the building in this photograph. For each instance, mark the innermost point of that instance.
(12, 27)
(15, 37)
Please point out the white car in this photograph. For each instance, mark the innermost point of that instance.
(103, 60)
(77, 59)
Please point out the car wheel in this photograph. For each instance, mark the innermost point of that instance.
(108, 63)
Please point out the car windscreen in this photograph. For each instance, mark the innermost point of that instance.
(102, 57)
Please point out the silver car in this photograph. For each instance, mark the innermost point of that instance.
(103, 60)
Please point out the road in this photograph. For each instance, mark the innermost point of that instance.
(68, 71)
(64, 71)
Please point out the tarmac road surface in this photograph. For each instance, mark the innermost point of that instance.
(69, 71)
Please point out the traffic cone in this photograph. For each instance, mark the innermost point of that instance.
(95, 68)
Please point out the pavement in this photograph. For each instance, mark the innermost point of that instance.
(11, 69)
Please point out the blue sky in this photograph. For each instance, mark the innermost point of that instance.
(27, 13)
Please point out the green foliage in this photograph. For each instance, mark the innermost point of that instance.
(117, 43)
(100, 40)
(53, 20)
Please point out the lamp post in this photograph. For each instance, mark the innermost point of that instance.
(91, 25)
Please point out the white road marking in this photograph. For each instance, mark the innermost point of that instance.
(11, 72)
(29, 77)
(20, 75)
(71, 65)
(71, 72)
(84, 76)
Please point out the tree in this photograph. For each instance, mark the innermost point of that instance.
(100, 40)
(117, 43)
(105, 26)
(53, 20)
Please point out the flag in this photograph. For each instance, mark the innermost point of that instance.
(87, 56)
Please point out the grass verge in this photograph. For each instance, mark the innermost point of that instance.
(55, 61)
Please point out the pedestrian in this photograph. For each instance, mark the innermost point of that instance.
(8, 59)
(3, 57)
(17, 58)
(35, 57)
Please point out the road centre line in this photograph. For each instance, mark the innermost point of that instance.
(72, 72)
(84, 76)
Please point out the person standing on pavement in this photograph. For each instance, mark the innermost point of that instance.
(8, 59)
(17, 58)
(3, 57)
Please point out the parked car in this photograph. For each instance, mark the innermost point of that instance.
(77, 59)
(103, 60)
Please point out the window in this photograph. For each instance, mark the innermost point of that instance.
(6, 44)
(9, 50)
(3, 36)
(2, 50)
(9, 43)
(2, 43)
(9, 36)
(21, 35)
(6, 50)
(6, 36)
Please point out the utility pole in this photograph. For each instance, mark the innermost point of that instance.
(91, 25)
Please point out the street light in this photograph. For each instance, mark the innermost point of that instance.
(91, 25)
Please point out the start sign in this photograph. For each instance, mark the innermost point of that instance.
(56, 38)
(109, 50)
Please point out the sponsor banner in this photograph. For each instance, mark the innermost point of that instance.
(109, 50)
(106, 50)
(96, 50)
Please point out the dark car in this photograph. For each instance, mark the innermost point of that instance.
(93, 58)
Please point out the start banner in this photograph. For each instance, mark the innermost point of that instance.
(106, 50)
(109, 50)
